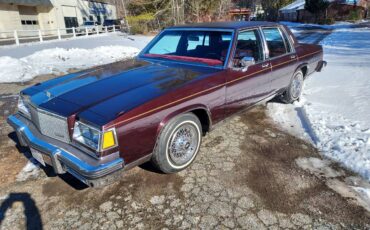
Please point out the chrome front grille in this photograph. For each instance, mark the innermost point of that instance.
(49, 124)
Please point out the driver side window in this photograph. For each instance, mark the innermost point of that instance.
(248, 45)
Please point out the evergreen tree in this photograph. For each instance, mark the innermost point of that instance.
(316, 7)
(271, 8)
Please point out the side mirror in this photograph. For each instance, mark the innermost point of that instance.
(245, 62)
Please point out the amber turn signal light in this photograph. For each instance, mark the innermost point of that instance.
(108, 139)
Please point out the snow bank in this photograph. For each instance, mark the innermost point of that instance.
(334, 112)
(337, 25)
(30, 170)
(60, 60)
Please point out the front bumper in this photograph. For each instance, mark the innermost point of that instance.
(66, 158)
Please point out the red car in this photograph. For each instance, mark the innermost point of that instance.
(158, 106)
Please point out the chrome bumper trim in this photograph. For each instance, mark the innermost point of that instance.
(63, 160)
(321, 65)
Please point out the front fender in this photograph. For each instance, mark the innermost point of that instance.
(185, 109)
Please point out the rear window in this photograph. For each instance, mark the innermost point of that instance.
(275, 42)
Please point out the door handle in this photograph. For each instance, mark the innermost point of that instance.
(265, 65)
(293, 56)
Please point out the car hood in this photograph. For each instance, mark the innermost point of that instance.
(101, 94)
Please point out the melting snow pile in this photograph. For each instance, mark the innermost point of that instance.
(335, 110)
(59, 60)
(30, 170)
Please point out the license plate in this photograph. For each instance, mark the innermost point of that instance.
(38, 156)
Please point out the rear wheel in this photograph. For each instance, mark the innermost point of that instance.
(294, 90)
(178, 143)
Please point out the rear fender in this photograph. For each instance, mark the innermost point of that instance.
(302, 65)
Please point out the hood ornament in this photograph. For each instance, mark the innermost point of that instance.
(48, 94)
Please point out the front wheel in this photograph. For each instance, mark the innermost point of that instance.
(294, 90)
(178, 144)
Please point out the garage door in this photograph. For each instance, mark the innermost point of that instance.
(29, 17)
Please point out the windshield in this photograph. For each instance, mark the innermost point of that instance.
(205, 47)
(89, 23)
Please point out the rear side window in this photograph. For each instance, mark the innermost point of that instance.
(275, 42)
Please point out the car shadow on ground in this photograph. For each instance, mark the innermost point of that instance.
(31, 212)
(148, 166)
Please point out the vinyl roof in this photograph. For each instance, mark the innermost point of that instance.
(227, 25)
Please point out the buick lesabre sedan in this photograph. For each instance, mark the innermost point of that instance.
(97, 123)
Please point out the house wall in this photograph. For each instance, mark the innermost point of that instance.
(14, 16)
(291, 16)
(305, 16)
(342, 12)
(9, 18)
(335, 10)
(46, 20)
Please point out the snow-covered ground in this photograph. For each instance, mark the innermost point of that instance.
(334, 112)
(90, 42)
(22, 63)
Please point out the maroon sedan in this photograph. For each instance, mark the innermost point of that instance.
(158, 106)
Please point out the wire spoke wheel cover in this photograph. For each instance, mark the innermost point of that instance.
(297, 85)
(183, 144)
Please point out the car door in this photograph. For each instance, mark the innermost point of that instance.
(247, 86)
(282, 57)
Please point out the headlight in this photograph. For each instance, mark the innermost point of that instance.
(94, 138)
(22, 107)
(87, 135)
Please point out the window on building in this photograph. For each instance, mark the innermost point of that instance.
(91, 18)
(84, 19)
(275, 42)
(29, 22)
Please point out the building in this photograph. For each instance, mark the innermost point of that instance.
(242, 14)
(245, 10)
(51, 14)
(291, 11)
(337, 10)
(257, 10)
